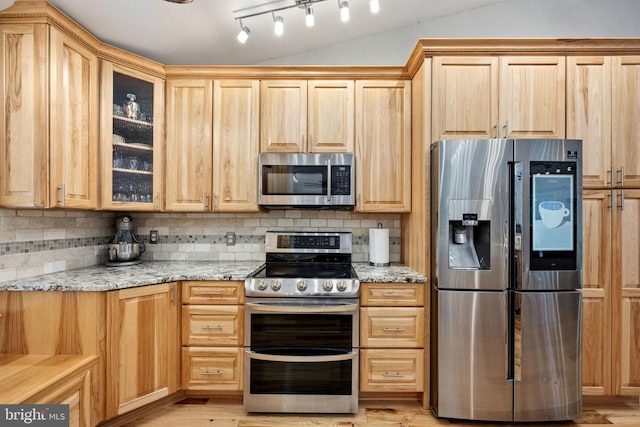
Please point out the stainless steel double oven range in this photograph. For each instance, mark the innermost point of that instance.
(302, 326)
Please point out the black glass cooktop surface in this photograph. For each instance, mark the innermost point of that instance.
(306, 271)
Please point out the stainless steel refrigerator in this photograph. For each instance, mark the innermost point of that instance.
(506, 275)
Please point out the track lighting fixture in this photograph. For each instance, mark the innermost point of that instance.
(308, 17)
(243, 35)
(278, 20)
(278, 26)
(344, 10)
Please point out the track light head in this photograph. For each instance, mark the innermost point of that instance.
(344, 10)
(243, 35)
(309, 21)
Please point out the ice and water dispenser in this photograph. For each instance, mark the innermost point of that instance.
(469, 235)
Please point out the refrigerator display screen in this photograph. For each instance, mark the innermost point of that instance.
(552, 212)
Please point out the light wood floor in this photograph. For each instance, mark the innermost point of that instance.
(228, 413)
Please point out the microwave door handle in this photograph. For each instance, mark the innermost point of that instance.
(329, 180)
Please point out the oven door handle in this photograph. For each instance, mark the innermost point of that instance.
(303, 359)
(307, 309)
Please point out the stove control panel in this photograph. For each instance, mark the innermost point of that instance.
(259, 287)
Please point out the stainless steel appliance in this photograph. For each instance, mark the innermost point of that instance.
(126, 247)
(506, 273)
(306, 180)
(302, 326)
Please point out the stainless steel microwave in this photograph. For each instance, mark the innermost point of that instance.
(306, 180)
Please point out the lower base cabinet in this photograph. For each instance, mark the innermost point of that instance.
(212, 336)
(392, 337)
(396, 370)
(143, 341)
(212, 368)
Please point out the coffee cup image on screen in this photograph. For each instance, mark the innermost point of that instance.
(552, 213)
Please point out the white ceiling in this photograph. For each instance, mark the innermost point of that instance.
(204, 32)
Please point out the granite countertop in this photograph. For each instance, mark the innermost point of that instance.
(103, 278)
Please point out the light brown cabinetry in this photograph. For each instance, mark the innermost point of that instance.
(57, 324)
(300, 116)
(611, 293)
(50, 115)
(383, 146)
(491, 97)
(392, 337)
(49, 379)
(143, 359)
(603, 103)
(212, 335)
(132, 139)
(212, 144)
(603, 97)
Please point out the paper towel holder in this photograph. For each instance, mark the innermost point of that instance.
(376, 263)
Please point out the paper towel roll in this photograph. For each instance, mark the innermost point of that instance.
(379, 246)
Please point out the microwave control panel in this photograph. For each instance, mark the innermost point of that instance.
(341, 180)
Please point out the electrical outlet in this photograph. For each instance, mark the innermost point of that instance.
(230, 238)
(153, 237)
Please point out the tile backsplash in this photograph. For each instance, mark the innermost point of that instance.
(35, 242)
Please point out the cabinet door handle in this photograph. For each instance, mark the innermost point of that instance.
(215, 200)
(506, 129)
(610, 176)
(621, 205)
(158, 201)
(62, 194)
(392, 375)
(388, 329)
(173, 295)
(612, 197)
(205, 200)
(310, 141)
(621, 171)
(216, 327)
(302, 146)
(497, 130)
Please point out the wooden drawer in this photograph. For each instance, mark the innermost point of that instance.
(392, 370)
(212, 292)
(392, 327)
(392, 294)
(215, 325)
(210, 368)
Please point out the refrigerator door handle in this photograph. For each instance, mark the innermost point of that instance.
(517, 224)
(517, 337)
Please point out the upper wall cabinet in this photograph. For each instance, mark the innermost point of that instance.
(299, 116)
(212, 145)
(383, 146)
(491, 97)
(131, 139)
(49, 112)
(603, 105)
(189, 145)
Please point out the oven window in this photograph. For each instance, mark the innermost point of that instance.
(295, 332)
(324, 378)
(294, 180)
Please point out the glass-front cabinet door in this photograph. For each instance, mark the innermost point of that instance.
(131, 139)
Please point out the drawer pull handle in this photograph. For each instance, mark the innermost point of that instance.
(212, 327)
(394, 295)
(212, 293)
(212, 373)
(393, 329)
(392, 375)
